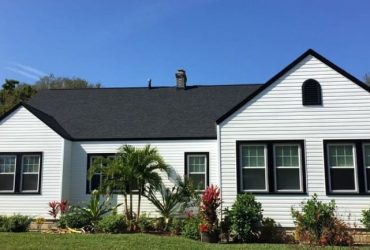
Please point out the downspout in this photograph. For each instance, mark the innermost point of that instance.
(219, 164)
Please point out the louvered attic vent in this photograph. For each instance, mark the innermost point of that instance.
(311, 93)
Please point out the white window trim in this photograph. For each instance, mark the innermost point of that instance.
(205, 168)
(289, 167)
(14, 175)
(22, 173)
(242, 167)
(365, 167)
(335, 167)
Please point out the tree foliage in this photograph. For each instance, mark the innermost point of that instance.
(53, 82)
(13, 92)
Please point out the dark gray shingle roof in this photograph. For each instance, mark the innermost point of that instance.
(139, 113)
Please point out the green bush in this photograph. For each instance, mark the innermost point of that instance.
(317, 224)
(74, 218)
(366, 219)
(191, 228)
(176, 226)
(246, 218)
(17, 223)
(3, 220)
(145, 223)
(113, 224)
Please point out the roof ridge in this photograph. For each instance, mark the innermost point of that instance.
(160, 87)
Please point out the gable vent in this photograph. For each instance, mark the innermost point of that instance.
(311, 93)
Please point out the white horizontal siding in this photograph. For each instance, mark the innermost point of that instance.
(23, 132)
(278, 114)
(172, 151)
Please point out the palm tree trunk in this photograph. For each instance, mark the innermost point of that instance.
(138, 205)
(131, 214)
(126, 207)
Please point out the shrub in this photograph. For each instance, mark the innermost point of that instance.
(176, 226)
(226, 225)
(336, 235)
(3, 220)
(366, 219)
(17, 223)
(74, 218)
(317, 224)
(113, 224)
(145, 223)
(191, 228)
(245, 217)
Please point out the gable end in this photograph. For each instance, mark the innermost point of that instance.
(284, 71)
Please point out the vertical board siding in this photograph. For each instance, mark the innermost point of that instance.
(277, 113)
(23, 132)
(172, 151)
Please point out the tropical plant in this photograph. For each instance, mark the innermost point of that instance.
(246, 217)
(54, 209)
(132, 170)
(147, 163)
(95, 209)
(210, 201)
(171, 200)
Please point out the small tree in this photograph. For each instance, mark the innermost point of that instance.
(245, 217)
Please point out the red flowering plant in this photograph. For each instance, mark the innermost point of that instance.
(57, 207)
(63, 206)
(210, 201)
(54, 209)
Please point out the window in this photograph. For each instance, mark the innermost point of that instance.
(196, 169)
(253, 164)
(7, 172)
(30, 173)
(367, 165)
(97, 178)
(287, 168)
(311, 93)
(271, 167)
(20, 172)
(342, 167)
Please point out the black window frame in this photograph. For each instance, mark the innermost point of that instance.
(18, 173)
(359, 159)
(271, 190)
(186, 174)
(105, 155)
(307, 98)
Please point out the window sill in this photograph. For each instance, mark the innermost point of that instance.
(24, 193)
(273, 193)
(346, 194)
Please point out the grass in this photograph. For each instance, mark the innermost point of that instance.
(122, 241)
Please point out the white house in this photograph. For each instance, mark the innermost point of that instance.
(305, 131)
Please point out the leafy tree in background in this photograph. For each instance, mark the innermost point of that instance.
(13, 92)
(53, 82)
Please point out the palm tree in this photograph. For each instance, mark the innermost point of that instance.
(147, 170)
(131, 169)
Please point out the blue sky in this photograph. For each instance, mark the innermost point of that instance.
(123, 43)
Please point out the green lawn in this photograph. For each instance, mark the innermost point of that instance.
(123, 241)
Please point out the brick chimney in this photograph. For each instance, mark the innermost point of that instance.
(181, 79)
